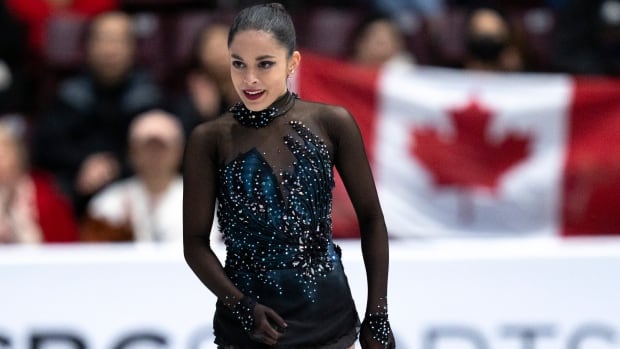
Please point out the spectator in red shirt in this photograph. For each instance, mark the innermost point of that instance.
(32, 210)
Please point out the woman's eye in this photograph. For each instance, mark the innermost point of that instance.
(266, 64)
(238, 64)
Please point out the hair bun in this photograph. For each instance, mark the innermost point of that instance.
(271, 18)
(277, 6)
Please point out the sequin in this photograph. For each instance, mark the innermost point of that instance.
(270, 225)
(380, 327)
(379, 323)
(243, 310)
(262, 118)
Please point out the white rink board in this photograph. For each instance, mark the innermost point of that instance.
(444, 294)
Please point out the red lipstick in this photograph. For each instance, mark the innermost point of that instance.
(253, 94)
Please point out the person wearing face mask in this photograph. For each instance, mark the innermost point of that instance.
(490, 42)
(268, 165)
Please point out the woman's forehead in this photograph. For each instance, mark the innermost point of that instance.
(255, 42)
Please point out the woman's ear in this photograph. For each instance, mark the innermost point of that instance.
(294, 62)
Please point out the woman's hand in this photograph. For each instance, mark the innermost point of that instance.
(268, 325)
(368, 337)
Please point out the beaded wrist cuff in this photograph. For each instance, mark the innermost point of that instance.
(379, 324)
(379, 327)
(243, 310)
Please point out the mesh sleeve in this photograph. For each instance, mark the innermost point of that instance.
(352, 164)
(199, 197)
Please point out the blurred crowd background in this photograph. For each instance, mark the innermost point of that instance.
(97, 96)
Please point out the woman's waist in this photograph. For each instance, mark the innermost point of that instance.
(262, 257)
(288, 290)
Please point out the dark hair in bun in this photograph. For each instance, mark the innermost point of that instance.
(271, 18)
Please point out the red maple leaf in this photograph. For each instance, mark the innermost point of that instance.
(468, 158)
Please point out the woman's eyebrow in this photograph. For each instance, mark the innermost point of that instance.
(260, 58)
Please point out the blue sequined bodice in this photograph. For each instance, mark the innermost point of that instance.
(274, 221)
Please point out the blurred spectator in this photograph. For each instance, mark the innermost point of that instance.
(12, 54)
(212, 51)
(147, 206)
(378, 40)
(410, 15)
(35, 14)
(490, 42)
(82, 138)
(428, 9)
(207, 90)
(588, 37)
(32, 210)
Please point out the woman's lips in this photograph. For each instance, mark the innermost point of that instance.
(253, 94)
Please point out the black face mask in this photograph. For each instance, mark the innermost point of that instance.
(486, 48)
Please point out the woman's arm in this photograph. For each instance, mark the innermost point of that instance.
(352, 164)
(200, 177)
(199, 195)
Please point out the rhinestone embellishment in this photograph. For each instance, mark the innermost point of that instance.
(262, 118)
(273, 226)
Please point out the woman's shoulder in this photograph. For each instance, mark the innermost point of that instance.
(212, 129)
(325, 112)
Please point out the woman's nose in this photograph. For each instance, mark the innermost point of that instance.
(250, 78)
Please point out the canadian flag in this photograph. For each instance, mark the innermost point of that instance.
(470, 153)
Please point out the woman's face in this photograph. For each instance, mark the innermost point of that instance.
(260, 66)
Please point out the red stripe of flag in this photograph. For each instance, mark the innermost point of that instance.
(591, 188)
(331, 81)
(337, 82)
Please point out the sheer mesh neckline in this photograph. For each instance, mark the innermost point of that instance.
(278, 152)
(262, 118)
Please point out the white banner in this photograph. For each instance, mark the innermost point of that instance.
(444, 294)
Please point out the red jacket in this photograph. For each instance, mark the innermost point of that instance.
(56, 217)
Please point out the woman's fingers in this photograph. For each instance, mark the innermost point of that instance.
(269, 326)
(275, 320)
(262, 338)
(269, 330)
